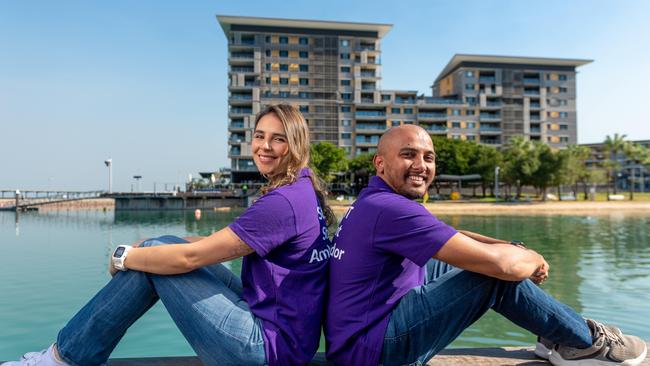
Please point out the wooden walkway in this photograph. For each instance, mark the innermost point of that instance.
(507, 356)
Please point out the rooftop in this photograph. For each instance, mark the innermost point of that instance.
(229, 23)
(542, 62)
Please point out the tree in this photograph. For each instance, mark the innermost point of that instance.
(638, 155)
(521, 162)
(485, 160)
(327, 159)
(576, 165)
(613, 145)
(361, 168)
(549, 170)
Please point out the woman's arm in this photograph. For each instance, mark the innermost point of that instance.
(169, 259)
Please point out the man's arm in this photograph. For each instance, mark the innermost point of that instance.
(503, 261)
(219, 247)
(483, 238)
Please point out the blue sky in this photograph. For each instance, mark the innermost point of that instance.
(144, 82)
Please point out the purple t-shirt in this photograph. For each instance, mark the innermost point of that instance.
(285, 278)
(379, 254)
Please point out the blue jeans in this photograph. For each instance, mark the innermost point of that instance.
(206, 305)
(430, 317)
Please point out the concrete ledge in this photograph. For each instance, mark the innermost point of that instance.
(507, 356)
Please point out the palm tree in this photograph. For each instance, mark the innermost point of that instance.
(613, 145)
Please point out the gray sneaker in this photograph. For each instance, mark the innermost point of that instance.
(610, 347)
(543, 348)
(43, 358)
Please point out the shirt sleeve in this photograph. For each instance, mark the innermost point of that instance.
(267, 224)
(406, 228)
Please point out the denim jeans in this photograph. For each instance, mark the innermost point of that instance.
(206, 305)
(430, 317)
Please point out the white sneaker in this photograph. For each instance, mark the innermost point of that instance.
(43, 358)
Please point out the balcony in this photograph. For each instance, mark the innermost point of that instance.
(370, 114)
(404, 101)
(429, 100)
(535, 105)
(236, 125)
(242, 55)
(494, 104)
(368, 74)
(531, 91)
(490, 141)
(535, 117)
(242, 69)
(487, 79)
(369, 140)
(236, 139)
(489, 117)
(432, 115)
(434, 128)
(234, 152)
(531, 81)
(535, 130)
(241, 110)
(241, 97)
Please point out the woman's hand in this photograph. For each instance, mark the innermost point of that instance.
(111, 268)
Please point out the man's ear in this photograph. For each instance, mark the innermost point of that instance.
(378, 161)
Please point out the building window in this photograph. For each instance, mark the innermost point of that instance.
(284, 94)
(284, 81)
(408, 110)
(267, 67)
(562, 77)
(345, 56)
(345, 68)
(284, 53)
(395, 110)
(345, 43)
(268, 80)
(304, 109)
(470, 100)
(471, 125)
(408, 122)
(284, 67)
(303, 95)
(345, 82)
(304, 68)
(284, 40)
(455, 112)
(564, 114)
(563, 90)
(385, 97)
(345, 109)
(470, 112)
(267, 39)
(304, 54)
(346, 122)
(346, 136)
(455, 124)
(394, 123)
(564, 127)
(303, 40)
(346, 96)
(268, 53)
(471, 138)
(469, 74)
(304, 81)
(455, 137)
(469, 86)
(564, 139)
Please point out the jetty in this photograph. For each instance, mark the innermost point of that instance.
(497, 356)
(31, 200)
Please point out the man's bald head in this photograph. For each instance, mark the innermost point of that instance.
(395, 135)
(405, 160)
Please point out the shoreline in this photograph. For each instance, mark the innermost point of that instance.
(573, 208)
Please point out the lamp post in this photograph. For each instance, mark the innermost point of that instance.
(137, 182)
(496, 182)
(109, 164)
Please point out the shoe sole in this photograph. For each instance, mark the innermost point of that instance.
(541, 351)
(557, 360)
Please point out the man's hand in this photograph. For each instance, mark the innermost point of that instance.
(541, 273)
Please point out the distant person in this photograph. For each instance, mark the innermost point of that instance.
(271, 316)
(404, 285)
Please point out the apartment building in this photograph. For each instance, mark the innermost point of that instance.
(628, 172)
(323, 67)
(514, 96)
(332, 72)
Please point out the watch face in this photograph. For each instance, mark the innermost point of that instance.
(118, 252)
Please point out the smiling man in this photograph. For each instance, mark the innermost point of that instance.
(406, 284)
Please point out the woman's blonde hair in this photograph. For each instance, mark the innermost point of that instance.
(297, 158)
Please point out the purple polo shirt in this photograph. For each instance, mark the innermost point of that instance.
(285, 278)
(383, 244)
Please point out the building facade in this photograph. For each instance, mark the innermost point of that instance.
(332, 72)
(515, 96)
(629, 173)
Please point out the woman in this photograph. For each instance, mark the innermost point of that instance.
(272, 315)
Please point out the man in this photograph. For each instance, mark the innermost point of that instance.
(382, 309)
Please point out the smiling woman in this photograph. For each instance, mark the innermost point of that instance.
(226, 319)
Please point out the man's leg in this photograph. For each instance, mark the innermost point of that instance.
(430, 317)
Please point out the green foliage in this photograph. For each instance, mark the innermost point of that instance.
(521, 161)
(326, 159)
(362, 165)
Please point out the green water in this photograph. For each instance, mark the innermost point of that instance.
(52, 263)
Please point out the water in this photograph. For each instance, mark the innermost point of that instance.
(52, 263)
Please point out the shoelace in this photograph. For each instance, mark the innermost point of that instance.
(610, 336)
(34, 357)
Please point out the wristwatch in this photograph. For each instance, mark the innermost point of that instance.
(119, 255)
(518, 243)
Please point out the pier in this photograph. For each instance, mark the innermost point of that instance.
(27, 200)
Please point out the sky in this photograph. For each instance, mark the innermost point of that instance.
(145, 82)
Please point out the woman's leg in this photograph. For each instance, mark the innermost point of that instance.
(92, 334)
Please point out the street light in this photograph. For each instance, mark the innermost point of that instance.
(496, 182)
(109, 164)
(137, 182)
